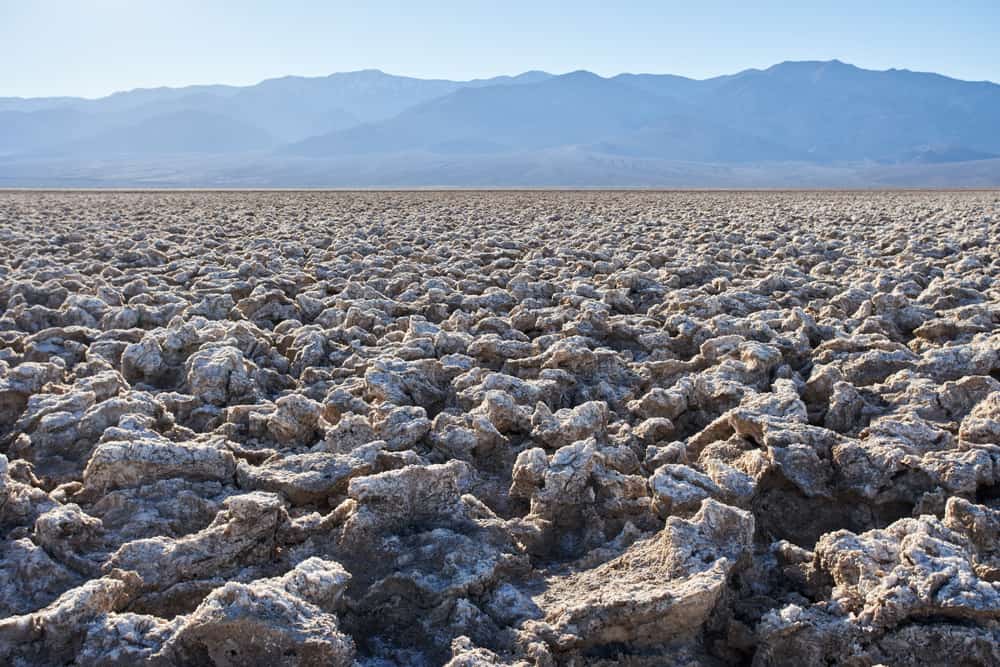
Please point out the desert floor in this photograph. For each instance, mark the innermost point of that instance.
(483, 428)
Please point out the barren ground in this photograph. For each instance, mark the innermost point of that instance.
(500, 428)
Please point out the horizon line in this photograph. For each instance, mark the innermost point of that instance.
(376, 70)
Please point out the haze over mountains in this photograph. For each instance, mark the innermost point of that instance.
(794, 124)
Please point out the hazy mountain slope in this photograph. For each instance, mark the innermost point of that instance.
(34, 131)
(288, 115)
(841, 112)
(574, 108)
(293, 108)
(288, 108)
(817, 111)
(680, 136)
(171, 133)
(533, 76)
(664, 85)
(28, 104)
(116, 102)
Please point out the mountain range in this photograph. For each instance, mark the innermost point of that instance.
(794, 124)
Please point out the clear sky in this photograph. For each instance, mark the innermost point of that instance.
(92, 48)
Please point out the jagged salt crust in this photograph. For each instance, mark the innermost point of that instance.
(499, 428)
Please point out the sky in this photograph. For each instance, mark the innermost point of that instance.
(93, 48)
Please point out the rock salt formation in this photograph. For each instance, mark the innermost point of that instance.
(499, 429)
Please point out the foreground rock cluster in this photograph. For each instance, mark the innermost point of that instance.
(499, 429)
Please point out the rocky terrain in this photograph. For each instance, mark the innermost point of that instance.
(500, 428)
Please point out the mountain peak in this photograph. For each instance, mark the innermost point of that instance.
(370, 73)
(531, 76)
(834, 64)
(582, 75)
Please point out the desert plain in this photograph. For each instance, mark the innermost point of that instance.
(499, 428)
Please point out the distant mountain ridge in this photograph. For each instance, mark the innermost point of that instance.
(289, 108)
(823, 113)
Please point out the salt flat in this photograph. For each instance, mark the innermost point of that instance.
(533, 428)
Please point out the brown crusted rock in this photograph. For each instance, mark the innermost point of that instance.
(494, 350)
(807, 635)
(466, 437)
(403, 427)
(680, 488)
(349, 433)
(661, 589)
(529, 472)
(845, 410)
(125, 639)
(31, 578)
(979, 357)
(566, 426)
(566, 479)
(464, 549)
(579, 497)
(148, 457)
(20, 503)
(309, 478)
(169, 507)
(466, 654)
(506, 415)
(220, 376)
(296, 420)
(673, 452)
(473, 385)
(339, 402)
(665, 403)
(68, 533)
(654, 430)
(52, 635)
(243, 533)
(143, 361)
(405, 382)
(981, 525)
(411, 494)
(23, 380)
(288, 620)
(913, 568)
(982, 425)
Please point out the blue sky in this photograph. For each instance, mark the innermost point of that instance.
(92, 48)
